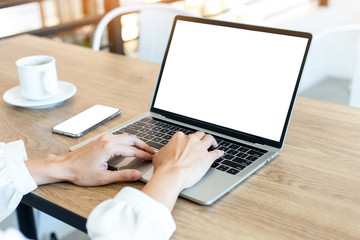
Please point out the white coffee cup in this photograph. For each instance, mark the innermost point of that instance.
(38, 77)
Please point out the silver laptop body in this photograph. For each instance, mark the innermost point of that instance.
(237, 82)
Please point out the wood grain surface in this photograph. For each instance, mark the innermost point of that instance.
(310, 191)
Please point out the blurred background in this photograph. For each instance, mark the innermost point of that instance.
(74, 21)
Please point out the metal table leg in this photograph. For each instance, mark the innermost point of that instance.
(26, 221)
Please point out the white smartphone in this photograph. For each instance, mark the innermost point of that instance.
(85, 121)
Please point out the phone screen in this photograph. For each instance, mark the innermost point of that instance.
(86, 120)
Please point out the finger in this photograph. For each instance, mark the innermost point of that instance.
(215, 154)
(130, 151)
(132, 140)
(199, 134)
(178, 134)
(122, 176)
(142, 145)
(209, 141)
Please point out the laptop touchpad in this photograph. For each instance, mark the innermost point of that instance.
(145, 167)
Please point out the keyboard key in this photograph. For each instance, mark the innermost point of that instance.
(219, 160)
(174, 129)
(232, 171)
(242, 161)
(141, 135)
(233, 165)
(225, 144)
(145, 120)
(255, 153)
(232, 152)
(156, 129)
(139, 124)
(164, 142)
(152, 121)
(222, 168)
(243, 149)
(225, 149)
(187, 132)
(164, 130)
(144, 130)
(121, 131)
(152, 132)
(159, 134)
(149, 137)
(167, 137)
(145, 140)
(157, 139)
(234, 146)
(251, 158)
(130, 131)
(132, 126)
(171, 133)
(154, 144)
(228, 156)
(242, 155)
(214, 165)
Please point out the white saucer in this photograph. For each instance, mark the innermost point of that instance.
(13, 96)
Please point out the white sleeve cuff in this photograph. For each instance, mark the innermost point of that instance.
(131, 214)
(15, 180)
(15, 155)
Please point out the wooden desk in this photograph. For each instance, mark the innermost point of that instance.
(310, 191)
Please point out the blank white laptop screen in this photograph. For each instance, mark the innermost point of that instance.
(240, 79)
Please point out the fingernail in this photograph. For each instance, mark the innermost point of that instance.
(136, 175)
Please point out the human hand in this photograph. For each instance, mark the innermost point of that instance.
(87, 166)
(179, 165)
(187, 155)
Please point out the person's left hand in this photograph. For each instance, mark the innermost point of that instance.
(87, 166)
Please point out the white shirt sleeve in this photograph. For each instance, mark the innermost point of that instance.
(15, 180)
(131, 214)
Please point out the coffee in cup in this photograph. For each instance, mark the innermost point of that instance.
(38, 77)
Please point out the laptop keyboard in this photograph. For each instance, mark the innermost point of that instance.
(157, 134)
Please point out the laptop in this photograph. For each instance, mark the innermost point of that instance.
(237, 82)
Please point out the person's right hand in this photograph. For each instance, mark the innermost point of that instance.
(179, 165)
(187, 155)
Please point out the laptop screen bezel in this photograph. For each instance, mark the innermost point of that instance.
(217, 128)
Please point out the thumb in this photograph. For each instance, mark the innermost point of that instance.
(123, 175)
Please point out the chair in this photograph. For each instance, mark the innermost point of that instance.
(155, 27)
(335, 53)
